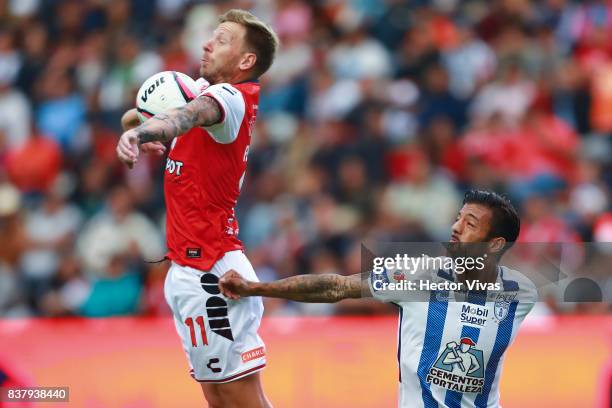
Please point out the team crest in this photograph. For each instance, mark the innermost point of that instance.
(500, 310)
(459, 367)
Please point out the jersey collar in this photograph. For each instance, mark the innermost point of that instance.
(246, 81)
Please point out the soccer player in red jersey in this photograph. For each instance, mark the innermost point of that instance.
(210, 138)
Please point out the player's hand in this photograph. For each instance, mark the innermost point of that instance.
(201, 84)
(157, 148)
(127, 148)
(233, 285)
(130, 120)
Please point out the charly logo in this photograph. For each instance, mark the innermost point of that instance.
(459, 367)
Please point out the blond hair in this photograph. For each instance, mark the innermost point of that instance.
(260, 38)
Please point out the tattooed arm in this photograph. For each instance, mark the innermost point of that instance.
(130, 120)
(202, 111)
(327, 288)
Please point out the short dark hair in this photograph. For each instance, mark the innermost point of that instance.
(260, 38)
(505, 221)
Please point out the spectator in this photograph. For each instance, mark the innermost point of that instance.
(470, 63)
(118, 230)
(509, 96)
(423, 197)
(374, 118)
(15, 110)
(68, 290)
(61, 114)
(12, 243)
(116, 292)
(50, 231)
(34, 165)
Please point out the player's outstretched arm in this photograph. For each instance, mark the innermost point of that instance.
(130, 120)
(202, 111)
(325, 288)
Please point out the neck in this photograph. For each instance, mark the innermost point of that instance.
(231, 79)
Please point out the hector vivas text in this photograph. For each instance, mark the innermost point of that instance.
(400, 266)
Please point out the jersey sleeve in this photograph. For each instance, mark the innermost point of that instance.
(397, 285)
(231, 103)
(378, 286)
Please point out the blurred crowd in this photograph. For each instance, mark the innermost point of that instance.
(374, 119)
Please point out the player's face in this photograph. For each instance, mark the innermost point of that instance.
(222, 53)
(472, 224)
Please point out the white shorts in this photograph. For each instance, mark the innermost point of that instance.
(219, 335)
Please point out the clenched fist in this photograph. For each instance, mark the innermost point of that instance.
(127, 148)
(233, 285)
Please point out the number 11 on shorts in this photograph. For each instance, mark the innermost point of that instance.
(200, 322)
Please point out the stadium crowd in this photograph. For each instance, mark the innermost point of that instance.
(375, 118)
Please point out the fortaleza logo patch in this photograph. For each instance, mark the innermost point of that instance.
(459, 367)
(253, 354)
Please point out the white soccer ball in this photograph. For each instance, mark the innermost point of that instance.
(163, 91)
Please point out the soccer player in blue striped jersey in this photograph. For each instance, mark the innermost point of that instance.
(452, 343)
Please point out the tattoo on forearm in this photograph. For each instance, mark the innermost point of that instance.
(327, 288)
(202, 111)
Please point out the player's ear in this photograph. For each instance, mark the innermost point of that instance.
(248, 61)
(496, 245)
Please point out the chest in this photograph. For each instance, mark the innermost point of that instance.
(456, 319)
(197, 154)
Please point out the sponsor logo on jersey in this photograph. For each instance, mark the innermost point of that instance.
(231, 229)
(211, 365)
(399, 276)
(253, 354)
(194, 252)
(216, 307)
(174, 166)
(474, 315)
(459, 367)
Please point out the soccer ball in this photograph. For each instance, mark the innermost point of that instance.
(163, 91)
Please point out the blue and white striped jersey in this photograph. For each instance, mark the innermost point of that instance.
(451, 348)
